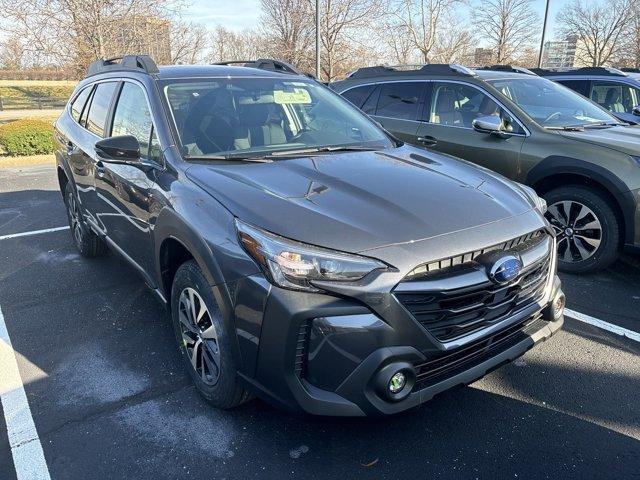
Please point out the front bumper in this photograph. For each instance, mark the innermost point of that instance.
(323, 355)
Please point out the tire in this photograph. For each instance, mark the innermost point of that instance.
(213, 370)
(580, 249)
(86, 241)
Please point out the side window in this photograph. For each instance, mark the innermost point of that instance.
(400, 100)
(85, 111)
(369, 106)
(458, 105)
(358, 95)
(132, 117)
(99, 108)
(79, 103)
(580, 86)
(615, 97)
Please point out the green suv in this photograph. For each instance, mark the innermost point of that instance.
(581, 159)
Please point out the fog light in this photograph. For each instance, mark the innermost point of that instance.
(558, 305)
(397, 382)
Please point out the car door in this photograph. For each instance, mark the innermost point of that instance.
(396, 106)
(77, 143)
(124, 190)
(447, 127)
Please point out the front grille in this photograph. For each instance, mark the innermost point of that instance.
(450, 314)
(300, 363)
(444, 366)
(432, 267)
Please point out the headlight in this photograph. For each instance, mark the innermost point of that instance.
(294, 265)
(540, 204)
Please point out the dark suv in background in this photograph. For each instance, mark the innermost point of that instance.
(618, 91)
(304, 254)
(574, 153)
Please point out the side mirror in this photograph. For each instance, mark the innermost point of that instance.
(489, 124)
(636, 110)
(122, 149)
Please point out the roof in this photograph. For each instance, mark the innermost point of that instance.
(194, 71)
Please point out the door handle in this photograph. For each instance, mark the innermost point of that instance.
(428, 140)
(100, 168)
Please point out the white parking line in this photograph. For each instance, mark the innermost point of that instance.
(581, 317)
(33, 232)
(28, 457)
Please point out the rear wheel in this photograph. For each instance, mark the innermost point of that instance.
(587, 230)
(204, 341)
(85, 240)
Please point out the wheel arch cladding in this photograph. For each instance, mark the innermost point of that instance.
(175, 237)
(557, 171)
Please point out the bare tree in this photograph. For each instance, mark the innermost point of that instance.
(455, 45)
(188, 42)
(12, 53)
(421, 22)
(341, 19)
(229, 45)
(77, 31)
(508, 25)
(598, 26)
(288, 26)
(629, 54)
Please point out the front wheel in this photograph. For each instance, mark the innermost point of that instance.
(587, 230)
(203, 339)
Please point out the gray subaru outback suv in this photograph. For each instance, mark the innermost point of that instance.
(303, 254)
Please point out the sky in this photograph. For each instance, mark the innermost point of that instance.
(241, 14)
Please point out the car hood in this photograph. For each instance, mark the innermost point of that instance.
(362, 200)
(625, 139)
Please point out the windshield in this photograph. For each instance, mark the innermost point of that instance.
(252, 117)
(552, 105)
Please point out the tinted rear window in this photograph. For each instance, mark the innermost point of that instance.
(100, 107)
(358, 95)
(400, 100)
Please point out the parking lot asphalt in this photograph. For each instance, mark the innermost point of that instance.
(110, 399)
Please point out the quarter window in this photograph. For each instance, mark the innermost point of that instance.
(79, 103)
(458, 105)
(358, 95)
(99, 108)
(615, 97)
(132, 117)
(400, 100)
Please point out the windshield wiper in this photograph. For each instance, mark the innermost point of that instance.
(229, 158)
(568, 128)
(602, 124)
(318, 150)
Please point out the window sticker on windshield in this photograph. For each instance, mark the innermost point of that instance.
(298, 96)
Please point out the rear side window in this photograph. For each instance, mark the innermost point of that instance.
(132, 117)
(99, 108)
(400, 100)
(580, 86)
(358, 95)
(79, 103)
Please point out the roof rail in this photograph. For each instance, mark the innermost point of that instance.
(142, 63)
(508, 68)
(265, 64)
(608, 71)
(630, 70)
(422, 69)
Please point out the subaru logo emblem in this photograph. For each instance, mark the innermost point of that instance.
(505, 269)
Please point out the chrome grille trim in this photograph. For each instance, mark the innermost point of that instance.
(427, 269)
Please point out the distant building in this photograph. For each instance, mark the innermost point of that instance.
(483, 56)
(560, 53)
